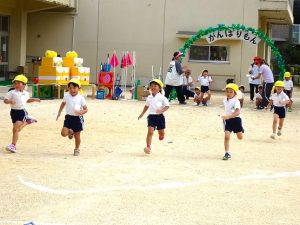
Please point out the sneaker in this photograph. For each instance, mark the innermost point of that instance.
(147, 150)
(30, 120)
(226, 156)
(11, 148)
(279, 132)
(76, 152)
(290, 110)
(273, 136)
(182, 103)
(71, 134)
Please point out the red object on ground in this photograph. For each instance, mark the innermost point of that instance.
(36, 80)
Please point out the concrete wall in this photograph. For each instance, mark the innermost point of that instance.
(149, 28)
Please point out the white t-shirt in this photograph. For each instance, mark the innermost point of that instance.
(267, 73)
(173, 78)
(156, 102)
(257, 95)
(73, 103)
(231, 105)
(186, 81)
(204, 81)
(20, 97)
(197, 96)
(254, 72)
(288, 84)
(279, 97)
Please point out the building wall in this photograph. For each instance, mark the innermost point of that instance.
(149, 28)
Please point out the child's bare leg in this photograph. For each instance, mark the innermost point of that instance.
(161, 134)
(77, 140)
(226, 141)
(281, 120)
(275, 122)
(240, 135)
(201, 97)
(208, 95)
(17, 127)
(64, 131)
(149, 136)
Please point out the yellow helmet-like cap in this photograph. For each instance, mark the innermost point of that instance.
(232, 86)
(199, 88)
(21, 78)
(157, 81)
(75, 81)
(279, 83)
(287, 74)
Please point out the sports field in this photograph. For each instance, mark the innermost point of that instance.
(183, 182)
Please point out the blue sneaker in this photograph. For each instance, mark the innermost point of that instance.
(226, 156)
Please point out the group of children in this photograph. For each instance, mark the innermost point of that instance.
(156, 103)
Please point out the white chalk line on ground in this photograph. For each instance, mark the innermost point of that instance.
(10, 222)
(161, 186)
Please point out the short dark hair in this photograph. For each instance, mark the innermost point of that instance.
(74, 84)
(228, 81)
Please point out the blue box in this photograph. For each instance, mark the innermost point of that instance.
(100, 94)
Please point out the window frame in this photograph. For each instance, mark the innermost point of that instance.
(209, 55)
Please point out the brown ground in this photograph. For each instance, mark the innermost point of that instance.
(184, 180)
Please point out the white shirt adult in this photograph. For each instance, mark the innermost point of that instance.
(266, 72)
(279, 98)
(20, 98)
(204, 81)
(253, 71)
(175, 74)
(188, 81)
(231, 105)
(156, 102)
(73, 103)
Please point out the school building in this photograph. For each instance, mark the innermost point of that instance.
(154, 29)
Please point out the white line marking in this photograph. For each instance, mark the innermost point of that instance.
(22, 222)
(161, 186)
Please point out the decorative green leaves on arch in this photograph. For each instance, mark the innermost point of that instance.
(222, 27)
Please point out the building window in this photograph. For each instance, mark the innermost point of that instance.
(296, 33)
(208, 53)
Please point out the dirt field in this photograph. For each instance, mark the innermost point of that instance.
(183, 181)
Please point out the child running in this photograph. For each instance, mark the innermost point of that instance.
(17, 97)
(157, 104)
(279, 100)
(231, 119)
(75, 108)
(205, 80)
(288, 88)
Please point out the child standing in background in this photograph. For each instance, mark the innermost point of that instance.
(279, 100)
(17, 98)
(205, 80)
(288, 88)
(232, 120)
(75, 109)
(157, 105)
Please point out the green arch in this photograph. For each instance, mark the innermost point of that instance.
(221, 27)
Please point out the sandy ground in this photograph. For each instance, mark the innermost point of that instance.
(184, 180)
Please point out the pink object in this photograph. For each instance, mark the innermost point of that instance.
(114, 62)
(128, 59)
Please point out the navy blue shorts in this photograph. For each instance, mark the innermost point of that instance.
(280, 111)
(156, 121)
(234, 125)
(74, 122)
(204, 89)
(18, 115)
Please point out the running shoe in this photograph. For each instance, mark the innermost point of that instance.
(76, 152)
(226, 156)
(147, 150)
(11, 148)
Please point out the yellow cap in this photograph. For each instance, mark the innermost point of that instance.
(232, 86)
(21, 78)
(157, 81)
(197, 88)
(279, 83)
(75, 81)
(287, 74)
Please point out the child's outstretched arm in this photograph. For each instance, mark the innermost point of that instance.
(62, 105)
(7, 101)
(143, 112)
(33, 100)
